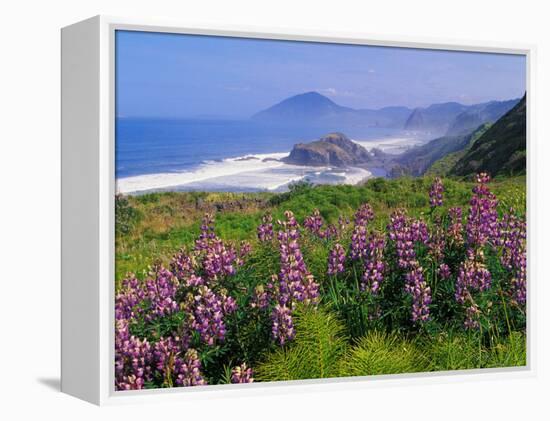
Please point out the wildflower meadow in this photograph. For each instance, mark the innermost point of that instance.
(394, 276)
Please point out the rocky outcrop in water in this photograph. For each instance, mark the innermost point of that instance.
(334, 149)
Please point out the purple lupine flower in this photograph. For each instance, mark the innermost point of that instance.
(436, 193)
(176, 366)
(314, 223)
(444, 271)
(519, 282)
(219, 260)
(373, 276)
(282, 327)
(127, 300)
(374, 263)
(290, 223)
(358, 242)
(436, 242)
(455, 229)
(194, 281)
(183, 265)
(206, 232)
(133, 359)
(364, 214)
(481, 229)
(206, 311)
(229, 304)
(242, 374)
(482, 225)
(405, 233)
(295, 281)
(417, 287)
(187, 370)
(398, 223)
(473, 275)
(161, 290)
(336, 259)
(293, 284)
(512, 240)
(265, 229)
(419, 231)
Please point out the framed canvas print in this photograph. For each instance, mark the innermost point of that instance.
(244, 210)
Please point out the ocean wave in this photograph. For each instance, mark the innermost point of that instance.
(252, 172)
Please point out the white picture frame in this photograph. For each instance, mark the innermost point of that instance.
(88, 191)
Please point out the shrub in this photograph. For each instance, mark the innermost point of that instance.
(383, 353)
(315, 353)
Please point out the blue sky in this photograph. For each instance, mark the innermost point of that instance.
(173, 75)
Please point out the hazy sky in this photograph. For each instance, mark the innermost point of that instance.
(165, 75)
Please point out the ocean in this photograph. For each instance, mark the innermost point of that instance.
(230, 155)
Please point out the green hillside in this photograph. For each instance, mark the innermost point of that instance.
(444, 165)
(501, 150)
(418, 160)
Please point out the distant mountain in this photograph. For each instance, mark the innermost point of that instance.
(435, 118)
(479, 114)
(334, 149)
(308, 106)
(501, 150)
(452, 118)
(312, 108)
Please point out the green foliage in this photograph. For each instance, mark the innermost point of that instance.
(126, 216)
(321, 350)
(443, 166)
(383, 353)
(465, 350)
(452, 351)
(510, 351)
(315, 353)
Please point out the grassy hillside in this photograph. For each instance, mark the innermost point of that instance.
(419, 159)
(443, 166)
(501, 150)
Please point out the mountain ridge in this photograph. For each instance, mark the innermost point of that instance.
(451, 118)
(314, 108)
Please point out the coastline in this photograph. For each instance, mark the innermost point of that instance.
(262, 172)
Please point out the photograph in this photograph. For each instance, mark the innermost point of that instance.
(297, 210)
